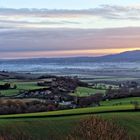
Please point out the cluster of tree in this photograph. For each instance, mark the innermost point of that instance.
(96, 128)
(7, 86)
(69, 84)
(93, 99)
(110, 94)
(15, 107)
(121, 93)
(66, 84)
(58, 86)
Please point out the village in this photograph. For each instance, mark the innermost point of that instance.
(57, 93)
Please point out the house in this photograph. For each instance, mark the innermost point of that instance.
(67, 105)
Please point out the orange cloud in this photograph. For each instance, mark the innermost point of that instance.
(67, 53)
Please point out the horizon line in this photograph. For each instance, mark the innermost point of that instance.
(82, 56)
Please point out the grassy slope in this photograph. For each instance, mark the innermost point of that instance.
(83, 91)
(58, 127)
(122, 101)
(45, 128)
(57, 124)
(130, 121)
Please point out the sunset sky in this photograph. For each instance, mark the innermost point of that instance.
(63, 28)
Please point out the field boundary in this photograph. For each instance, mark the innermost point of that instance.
(66, 115)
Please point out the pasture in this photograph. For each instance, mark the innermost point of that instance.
(57, 125)
(84, 91)
(123, 101)
(21, 85)
(56, 128)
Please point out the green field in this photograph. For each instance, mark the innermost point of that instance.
(20, 86)
(123, 101)
(56, 128)
(56, 125)
(83, 91)
(80, 91)
(130, 121)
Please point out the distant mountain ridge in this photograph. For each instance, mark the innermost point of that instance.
(128, 56)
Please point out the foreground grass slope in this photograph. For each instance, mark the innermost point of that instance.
(130, 121)
(56, 128)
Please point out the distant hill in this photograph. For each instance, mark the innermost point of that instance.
(128, 56)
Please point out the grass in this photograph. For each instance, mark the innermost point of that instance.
(56, 128)
(80, 111)
(43, 128)
(130, 121)
(57, 125)
(123, 101)
(83, 91)
(9, 92)
(20, 86)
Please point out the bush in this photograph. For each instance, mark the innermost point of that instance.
(17, 106)
(96, 128)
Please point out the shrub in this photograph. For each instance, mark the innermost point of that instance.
(96, 128)
(17, 106)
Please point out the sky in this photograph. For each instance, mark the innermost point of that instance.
(62, 28)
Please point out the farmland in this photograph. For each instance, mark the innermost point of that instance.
(82, 91)
(57, 128)
(21, 85)
(30, 85)
(56, 125)
(122, 101)
(70, 70)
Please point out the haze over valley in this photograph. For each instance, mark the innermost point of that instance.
(69, 70)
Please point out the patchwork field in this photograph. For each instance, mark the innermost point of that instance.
(20, 86)
(80, 91)
(56, 125)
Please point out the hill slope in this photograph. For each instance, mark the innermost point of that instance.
(125, 56)
(128, 56)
